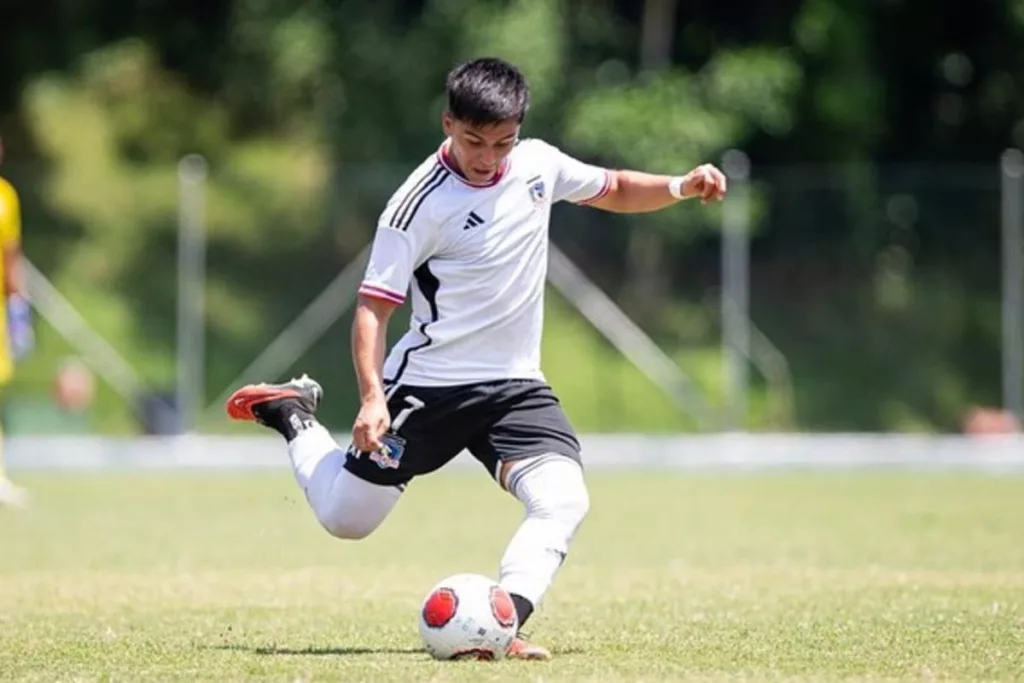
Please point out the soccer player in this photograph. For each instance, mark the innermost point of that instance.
(467, 233)
(10, 275)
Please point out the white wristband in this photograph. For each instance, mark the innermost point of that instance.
(675, 187)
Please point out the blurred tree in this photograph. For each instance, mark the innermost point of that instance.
(312, 112)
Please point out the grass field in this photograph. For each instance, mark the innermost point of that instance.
(226, 577)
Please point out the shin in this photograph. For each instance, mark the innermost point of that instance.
(555, 498)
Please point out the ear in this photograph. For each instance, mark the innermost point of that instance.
(447, 123)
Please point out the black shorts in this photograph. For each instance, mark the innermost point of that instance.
(495, 421)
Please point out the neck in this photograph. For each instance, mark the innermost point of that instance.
(452, 164)
(452, 160)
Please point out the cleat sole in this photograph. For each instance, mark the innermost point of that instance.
(239, 406)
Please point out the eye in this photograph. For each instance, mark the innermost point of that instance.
(474, 142)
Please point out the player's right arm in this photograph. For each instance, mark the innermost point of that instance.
(406, 236)
(369, 332)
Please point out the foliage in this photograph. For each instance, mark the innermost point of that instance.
(309, 114)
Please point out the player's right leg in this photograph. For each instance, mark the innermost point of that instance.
(346, 505)
(533, 453)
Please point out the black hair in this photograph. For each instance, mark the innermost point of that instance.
(486, 91)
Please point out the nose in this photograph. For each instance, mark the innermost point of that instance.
(488, 157)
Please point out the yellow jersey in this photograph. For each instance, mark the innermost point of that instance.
(10, 236)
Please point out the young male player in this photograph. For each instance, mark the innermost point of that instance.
(467, 233)
(10, 276)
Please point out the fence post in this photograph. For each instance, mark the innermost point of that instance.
(1012, 167)
(191, 289)
(735, 287)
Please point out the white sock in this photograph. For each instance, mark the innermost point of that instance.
(554, 494)
(345, 505)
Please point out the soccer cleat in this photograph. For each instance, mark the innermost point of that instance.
(258, 402)
(521, 648)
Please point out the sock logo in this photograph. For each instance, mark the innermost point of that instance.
(298, 424)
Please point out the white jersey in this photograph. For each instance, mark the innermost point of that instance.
(475, 258)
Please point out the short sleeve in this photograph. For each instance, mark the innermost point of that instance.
(406, 236)
(10, 216)
(576, 181)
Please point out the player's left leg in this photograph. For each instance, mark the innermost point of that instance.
(555, 499)
(533, 453)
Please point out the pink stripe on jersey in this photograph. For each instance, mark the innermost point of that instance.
(605, 189)
(377, 292)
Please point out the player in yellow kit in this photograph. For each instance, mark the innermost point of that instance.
(10, 275)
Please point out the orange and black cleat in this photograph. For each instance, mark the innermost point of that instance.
(521, 648)
(258, 402)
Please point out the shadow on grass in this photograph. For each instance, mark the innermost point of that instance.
(341, 651)
(320, 651)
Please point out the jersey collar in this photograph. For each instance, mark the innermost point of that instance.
(444, 158)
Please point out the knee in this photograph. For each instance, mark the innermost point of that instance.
(344, 524)
(562, 512)
(575, 505)
(567, 499)
(345, 529)
(346, 532)
(352, 508)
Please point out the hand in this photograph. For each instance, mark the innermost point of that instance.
(706, 182)
(371, 423)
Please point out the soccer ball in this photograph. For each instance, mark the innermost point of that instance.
(468, 616)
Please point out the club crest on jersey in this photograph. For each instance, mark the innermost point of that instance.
(537, 190)
(390, 454)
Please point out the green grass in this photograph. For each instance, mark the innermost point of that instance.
(226, 577)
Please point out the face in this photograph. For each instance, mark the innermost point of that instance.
(479, 150)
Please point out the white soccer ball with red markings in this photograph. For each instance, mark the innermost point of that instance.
(468, 616)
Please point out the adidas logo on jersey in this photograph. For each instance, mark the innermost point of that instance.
(473, 221)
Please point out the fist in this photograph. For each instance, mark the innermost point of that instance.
(706, 182)
(371, 423)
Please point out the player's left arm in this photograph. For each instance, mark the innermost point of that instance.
(639, 192)
(630, 191)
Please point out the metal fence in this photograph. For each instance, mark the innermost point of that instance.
(814, 299)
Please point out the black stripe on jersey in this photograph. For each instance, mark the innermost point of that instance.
(428, 285)
(436, 181)
(426, 179)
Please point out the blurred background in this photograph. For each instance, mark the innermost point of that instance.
(199, 180)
